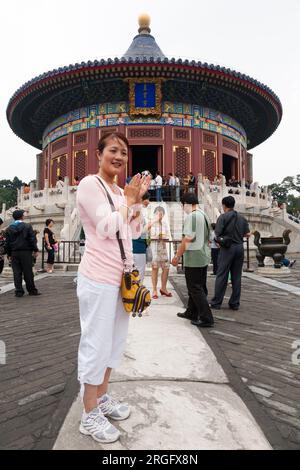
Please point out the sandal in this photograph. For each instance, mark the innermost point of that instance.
(154, 296)
(165, 294)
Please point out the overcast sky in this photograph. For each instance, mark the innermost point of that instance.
(259, 37)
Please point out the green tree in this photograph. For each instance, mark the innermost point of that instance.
(8, 191)
(285, 192)
(279, 192)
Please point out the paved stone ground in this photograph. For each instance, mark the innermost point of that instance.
(38, 382)
(179, 394)
(257, 343)
(293, 279)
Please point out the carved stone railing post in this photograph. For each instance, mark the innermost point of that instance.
(31, 194)
(66, 189)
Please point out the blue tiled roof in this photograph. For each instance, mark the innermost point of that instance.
(144, 45)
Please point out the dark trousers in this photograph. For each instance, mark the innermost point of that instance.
(214, 257)
(172, 193)
(1, 265)
(21, 263)
(230, 261)
(198, 307)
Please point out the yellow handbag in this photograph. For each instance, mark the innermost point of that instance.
(136, 297)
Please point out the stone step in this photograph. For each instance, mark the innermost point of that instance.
(72, 267)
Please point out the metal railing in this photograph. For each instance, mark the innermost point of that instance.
(171, 193)
(172, 246)
(247, 257)
(69, 252)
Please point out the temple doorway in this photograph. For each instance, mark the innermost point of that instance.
(230, 167)
(145, 157)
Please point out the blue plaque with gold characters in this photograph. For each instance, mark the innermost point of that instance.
(145, 97)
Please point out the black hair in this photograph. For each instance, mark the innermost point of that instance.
(213, 226)
(48, 222)
(228, 202)
(146, 196)
(190, 198)
(111, 135)
(159, 209)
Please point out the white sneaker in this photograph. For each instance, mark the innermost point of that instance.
(96, 425)
(113, 409)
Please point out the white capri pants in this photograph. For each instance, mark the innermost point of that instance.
(139, 260)
(104, 328)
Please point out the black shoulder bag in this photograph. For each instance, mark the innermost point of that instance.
(225, 241)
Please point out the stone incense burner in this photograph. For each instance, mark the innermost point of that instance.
(274, 247)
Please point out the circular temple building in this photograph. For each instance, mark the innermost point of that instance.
(179, 116)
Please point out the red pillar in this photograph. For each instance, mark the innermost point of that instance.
(168, 165)
(196, 149)
(70, 157)
(220, 154)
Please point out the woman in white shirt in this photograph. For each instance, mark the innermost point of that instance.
(160, 234)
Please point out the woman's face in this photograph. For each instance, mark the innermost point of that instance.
(159, 215)
(51, 225)
(114, 157)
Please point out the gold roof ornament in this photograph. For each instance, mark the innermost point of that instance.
(144, 23)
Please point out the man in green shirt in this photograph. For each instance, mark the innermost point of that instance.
(196, 256)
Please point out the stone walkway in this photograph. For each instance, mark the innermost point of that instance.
(180, 396)
(188, 388)
(257, 344)
(37, 383)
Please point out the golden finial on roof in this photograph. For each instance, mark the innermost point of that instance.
(144, 23)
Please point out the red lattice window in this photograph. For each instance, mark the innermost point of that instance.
(182, 161)
(60, 144)
(80, 160)
(80, 138)
(142, 133)
(209, 164)
(181, 134)
(230, 145)
(63, 166)
(209, 139)
(58, 168)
